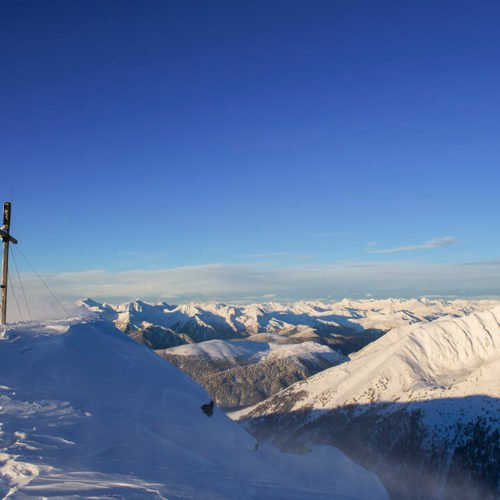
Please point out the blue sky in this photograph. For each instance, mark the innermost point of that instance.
(271, 137)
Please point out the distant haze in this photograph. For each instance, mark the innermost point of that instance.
(261, 283)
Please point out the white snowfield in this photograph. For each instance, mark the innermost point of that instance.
(297, 319)
(87, 412)
(448, 358)
(257, 351)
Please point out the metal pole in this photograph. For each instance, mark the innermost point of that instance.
(5, 260)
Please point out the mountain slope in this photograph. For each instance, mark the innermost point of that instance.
(425, 397)
(87, 412)
(242, 373)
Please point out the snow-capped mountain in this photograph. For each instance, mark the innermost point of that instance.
(243, 373)
(347, 325)
(86, 412)
(420, 406)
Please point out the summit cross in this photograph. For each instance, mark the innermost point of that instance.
(7, 239)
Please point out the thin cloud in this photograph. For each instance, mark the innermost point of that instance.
(426, 245)
(257, 282)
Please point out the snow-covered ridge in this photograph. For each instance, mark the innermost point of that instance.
(446, 358)
(221, 349)
(424, 396)
(87, 412)
(256, 351)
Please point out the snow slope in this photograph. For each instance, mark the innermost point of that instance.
(87, 412)
(423, 396)
(446, 358)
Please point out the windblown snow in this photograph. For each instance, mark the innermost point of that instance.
(87, 412)
(420, 406)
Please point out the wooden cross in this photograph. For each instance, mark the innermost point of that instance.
(6, 238)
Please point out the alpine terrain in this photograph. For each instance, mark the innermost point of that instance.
(420, 406)
(242, 373)
(346, 325)
(245, 354)
(87, 412)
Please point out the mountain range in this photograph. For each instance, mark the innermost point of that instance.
(346, 325)
(243, 354)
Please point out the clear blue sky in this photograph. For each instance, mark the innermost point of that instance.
(152, 135)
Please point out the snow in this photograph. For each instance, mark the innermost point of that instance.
(447, 358)
(286, 319)
(257, 351)
(88, 412)
(305, 350)
(220, 349)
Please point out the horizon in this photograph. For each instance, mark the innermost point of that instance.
(55, 310)
(244, 152)
(292, 302)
